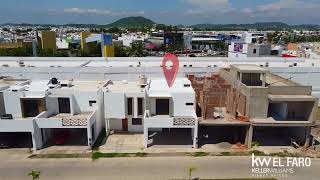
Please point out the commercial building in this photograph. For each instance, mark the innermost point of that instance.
(252, 45)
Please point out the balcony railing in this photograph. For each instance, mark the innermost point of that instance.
(168, 121)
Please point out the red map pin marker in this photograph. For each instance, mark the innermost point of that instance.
(170, 66)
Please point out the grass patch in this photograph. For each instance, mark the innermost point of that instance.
(199, 154)
(255, 144)
(141, 154)
(57, 156)
(284, 154)
(96, 155)
(255, 152)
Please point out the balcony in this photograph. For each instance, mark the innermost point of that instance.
(50, 120)
(167, 121)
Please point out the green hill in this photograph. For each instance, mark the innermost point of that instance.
(132, 22)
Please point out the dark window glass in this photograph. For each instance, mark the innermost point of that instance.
(140, 106)
(136, 121)
(162, 106)
(64, 105)
(130, 106)
(189, 104)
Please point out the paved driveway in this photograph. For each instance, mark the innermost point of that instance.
(123, 142)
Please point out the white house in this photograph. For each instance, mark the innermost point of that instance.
(124, 105)
(150, 105)
(54, 112)
(170, 107)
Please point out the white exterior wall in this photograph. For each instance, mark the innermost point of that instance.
(12, 103)
(179, 104)
(114, 105)
(25, 125)
(115, 124)
(116, 109)
(52, 105)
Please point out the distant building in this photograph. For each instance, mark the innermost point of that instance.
(251, 45)
(84, 36)
(244, 50)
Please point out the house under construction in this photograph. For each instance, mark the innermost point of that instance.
(247, 103)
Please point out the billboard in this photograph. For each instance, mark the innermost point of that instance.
(107, 39)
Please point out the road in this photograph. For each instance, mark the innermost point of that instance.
(15, 167)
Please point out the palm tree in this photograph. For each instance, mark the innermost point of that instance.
(35, 174)
(191, 169)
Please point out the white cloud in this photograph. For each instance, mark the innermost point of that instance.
(99, 12)
(87, 11)
(287, 5)
(210, 4)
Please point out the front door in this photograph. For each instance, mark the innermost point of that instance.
(125, 124)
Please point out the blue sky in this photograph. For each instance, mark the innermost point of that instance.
(162, 11)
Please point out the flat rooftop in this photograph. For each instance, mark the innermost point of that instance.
(160, 88)
(7, 82)
(29, 86)
(251, 68)
(275, 80)
(80, 85)
(124, 86)
(186, 62)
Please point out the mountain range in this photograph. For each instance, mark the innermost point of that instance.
(139, 21)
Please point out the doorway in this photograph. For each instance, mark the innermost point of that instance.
(125, 124)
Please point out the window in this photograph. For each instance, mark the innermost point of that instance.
(189, 104)
(162, 106)
(254, 51)
(92, 102)
(130, 106)
(140, 106)
(32, 107)
(136, 121)
(64, 105)
(186, 85)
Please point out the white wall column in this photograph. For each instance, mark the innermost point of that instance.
(195, 137)
(146, 137)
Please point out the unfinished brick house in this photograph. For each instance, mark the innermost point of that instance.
(248, 103)
(211, 93)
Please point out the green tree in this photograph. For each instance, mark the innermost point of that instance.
(120, 51)
(136, 49)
